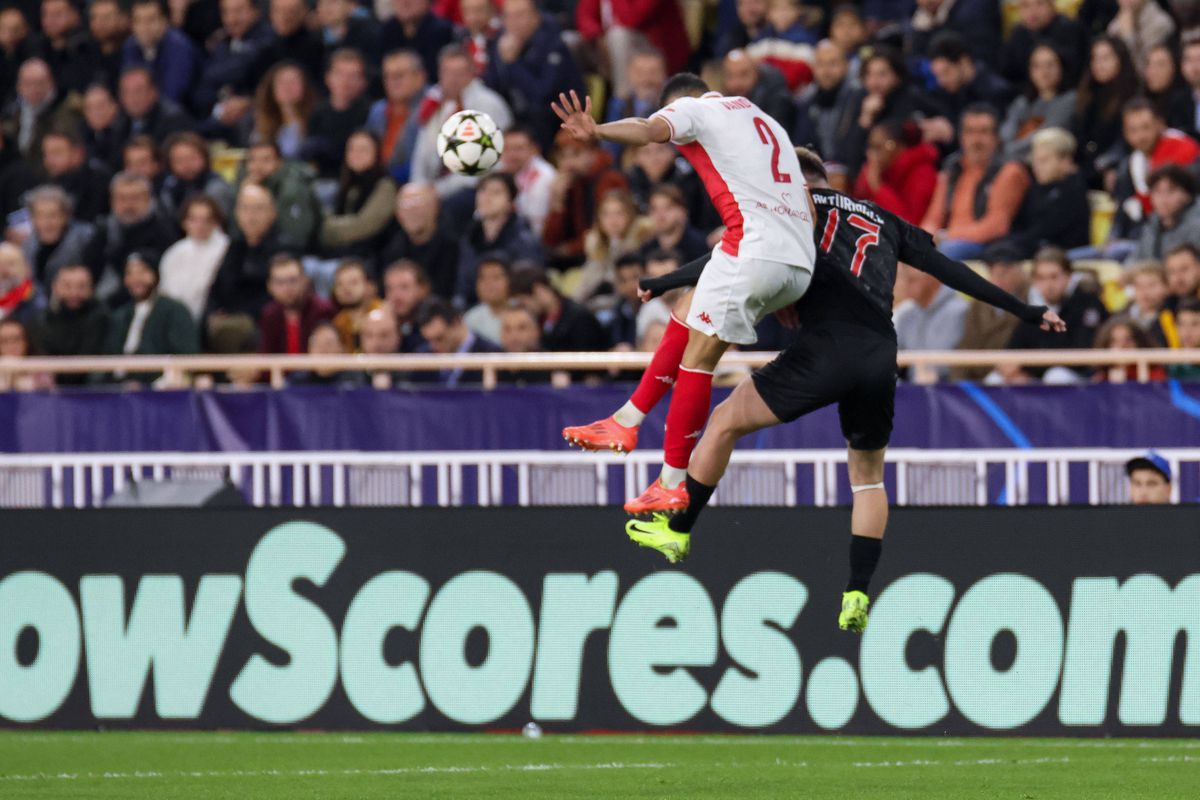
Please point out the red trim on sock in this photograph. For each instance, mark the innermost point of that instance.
(660, 376)
(686, 416)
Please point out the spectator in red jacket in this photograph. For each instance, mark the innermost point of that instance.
(585, 174)
(901, 170)
(294, 311)
(625, 24)
(1151, 145)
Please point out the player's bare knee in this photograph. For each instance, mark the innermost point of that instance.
(865, 467)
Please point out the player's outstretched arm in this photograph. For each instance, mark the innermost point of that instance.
(687, 275)
(633, 132)
(918, 250)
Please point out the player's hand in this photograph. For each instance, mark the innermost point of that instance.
(1053, 322)
(788, 317)
(576, 117)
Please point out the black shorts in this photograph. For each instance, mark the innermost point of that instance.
(832, 362)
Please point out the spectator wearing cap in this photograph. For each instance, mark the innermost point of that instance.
(1042, 25)
(1079, 307)
(144, 111)
(1182, 263)
(529, 65)
(978, 193)
(496, 229)
(1187, 323)
(169, 54)
(585, 174)
(492, 281)
(1055, 212)
(445, 333)
(20, 298)
(669, 226)
(761, 84)
(66, 164)
(294, 311)
(149, 324)
(1176, 214)
(1151, 145)
(74, 323)
(56, 238)
(901, 170)
(414, 27)
(826, 109)
(987, 327)
(421, 236)
(1149, 480)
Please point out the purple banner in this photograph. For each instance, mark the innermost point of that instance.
(948, 416)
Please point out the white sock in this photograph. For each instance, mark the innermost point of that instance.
(628, 415)
(672, 476)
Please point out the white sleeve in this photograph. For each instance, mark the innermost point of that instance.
(683, 118)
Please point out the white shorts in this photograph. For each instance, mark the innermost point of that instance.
(735, 292)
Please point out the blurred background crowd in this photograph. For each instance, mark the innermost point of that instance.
(182, 176)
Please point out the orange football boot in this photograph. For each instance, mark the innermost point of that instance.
(607, 434)
(659, 498)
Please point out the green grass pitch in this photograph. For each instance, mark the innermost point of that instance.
(36, 764)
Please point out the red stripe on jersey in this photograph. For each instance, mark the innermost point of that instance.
(830, 229)
(718, 191)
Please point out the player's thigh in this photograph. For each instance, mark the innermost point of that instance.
(683, 305)
(803, 378)
(743, 412)
(867, 410)
(783, 286)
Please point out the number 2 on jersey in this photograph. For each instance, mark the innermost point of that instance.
(868, 238)
(767, 136)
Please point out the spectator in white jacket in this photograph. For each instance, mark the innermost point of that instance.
(188, 267)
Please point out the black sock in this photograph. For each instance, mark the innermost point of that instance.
(698, 496)
(864, 556)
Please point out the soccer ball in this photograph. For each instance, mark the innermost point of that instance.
(470, 143)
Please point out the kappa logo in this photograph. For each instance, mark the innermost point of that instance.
(705, 318)
(694, 434)
(667, 379)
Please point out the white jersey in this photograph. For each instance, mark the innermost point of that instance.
(749, 167)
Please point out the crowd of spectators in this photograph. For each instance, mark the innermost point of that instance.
(229, 176)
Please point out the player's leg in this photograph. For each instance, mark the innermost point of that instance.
(620, 431)
(741, 413)
(868, 521)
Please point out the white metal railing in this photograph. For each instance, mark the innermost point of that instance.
(180, 370)
(539, 478)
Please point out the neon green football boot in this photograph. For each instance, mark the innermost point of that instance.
(854, 612)
(656, 534)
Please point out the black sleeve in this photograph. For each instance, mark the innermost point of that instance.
(687, 275)
(917, 250)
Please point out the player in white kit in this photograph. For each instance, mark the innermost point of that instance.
(764, 261)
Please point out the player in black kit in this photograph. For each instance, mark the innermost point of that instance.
(845, 354)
